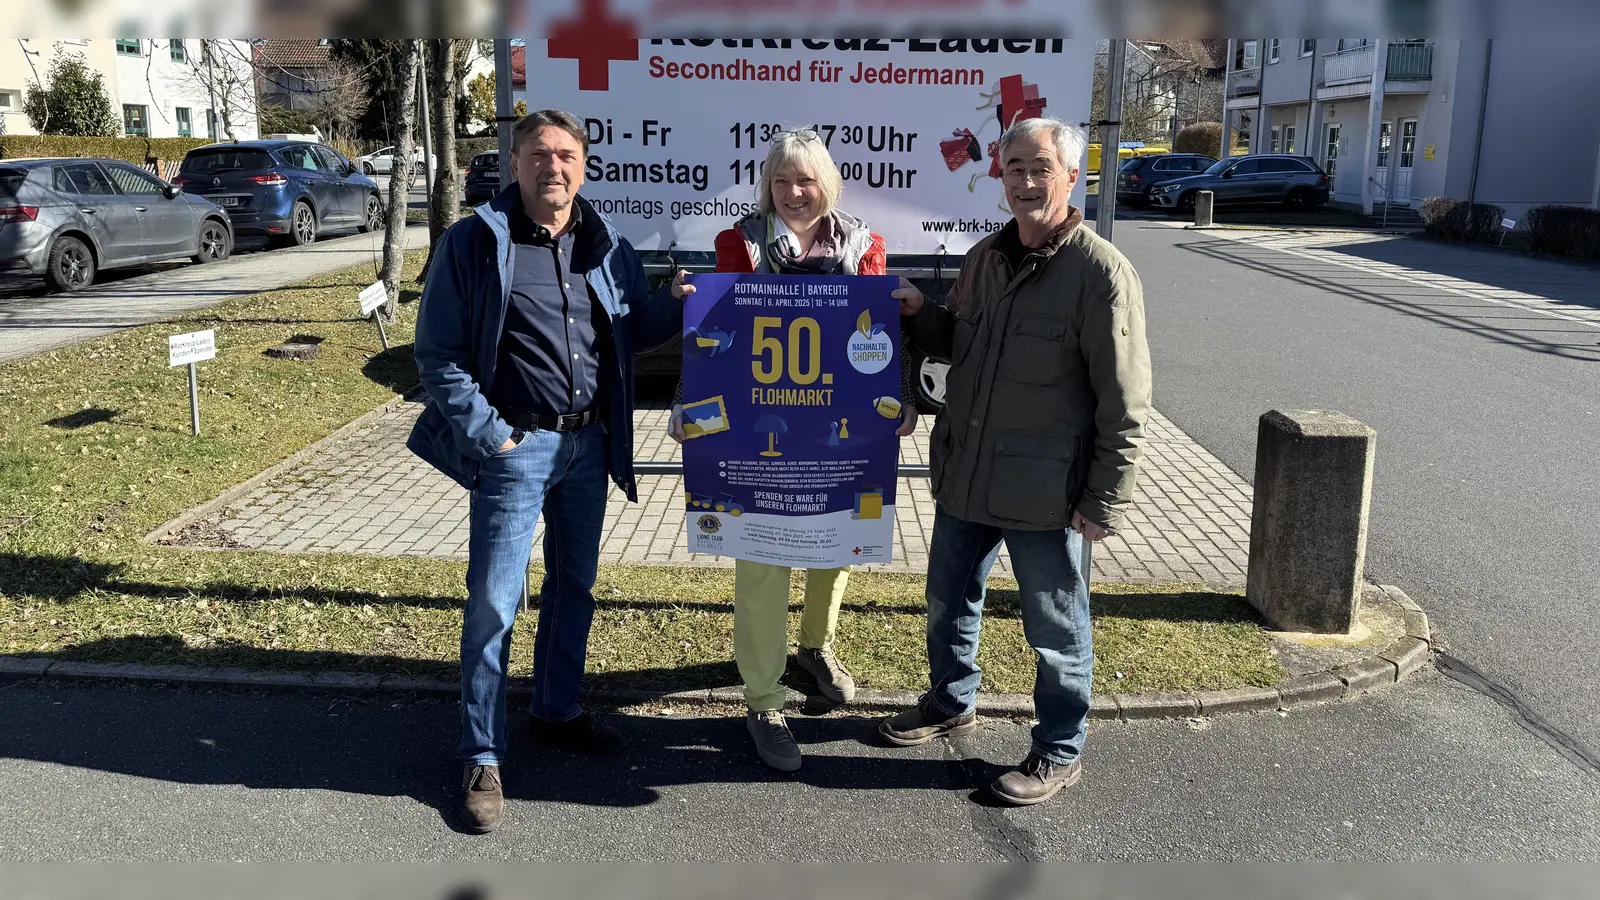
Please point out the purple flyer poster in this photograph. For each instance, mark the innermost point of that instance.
(791, 396)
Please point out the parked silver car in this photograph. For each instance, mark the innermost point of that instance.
(1294, 181)
(66, 219)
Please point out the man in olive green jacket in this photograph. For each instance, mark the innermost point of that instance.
(1039, 445)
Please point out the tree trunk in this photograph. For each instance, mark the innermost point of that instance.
(402, 174)
(445, 204)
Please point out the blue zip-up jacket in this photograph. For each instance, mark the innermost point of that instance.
(463, 311)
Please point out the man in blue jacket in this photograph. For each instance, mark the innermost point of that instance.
(526, 334)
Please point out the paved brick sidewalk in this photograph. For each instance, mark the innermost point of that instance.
(366, 494)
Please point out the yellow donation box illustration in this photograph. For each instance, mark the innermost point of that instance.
(869, 504)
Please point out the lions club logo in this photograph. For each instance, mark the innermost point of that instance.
(710, 524)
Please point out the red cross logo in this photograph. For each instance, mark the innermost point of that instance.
(594, 38)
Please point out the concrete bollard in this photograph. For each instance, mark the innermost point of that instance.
(1202, 209)
(1308, 528)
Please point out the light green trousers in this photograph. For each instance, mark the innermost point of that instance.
(761, 624)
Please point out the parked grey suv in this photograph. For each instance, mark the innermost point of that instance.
(1294, 181)
(66, 219)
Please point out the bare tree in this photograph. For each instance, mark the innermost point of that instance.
(402, 176)
(341, 98)
(443, 88)
(1167, 85)
(226, 73)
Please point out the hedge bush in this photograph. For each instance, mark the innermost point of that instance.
(1201, 137)
(136, 150)
(1459, 220)
(1565, 230)
(467, 148)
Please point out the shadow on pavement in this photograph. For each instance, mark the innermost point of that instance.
(1419, 301)
(1566, 280)
(407, 746)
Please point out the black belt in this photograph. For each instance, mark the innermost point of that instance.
(547, 422)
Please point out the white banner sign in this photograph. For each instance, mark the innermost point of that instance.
(196, 346)
(678, 130)
(1508, 224)
(373, 296)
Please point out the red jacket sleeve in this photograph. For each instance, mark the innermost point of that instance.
(732, 254)
(875, 261)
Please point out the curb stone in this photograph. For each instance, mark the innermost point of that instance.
(1216, 703)
(1379, 671)
(1306, 690)
(1407, 654)
(1158, 706)
(1366, 674)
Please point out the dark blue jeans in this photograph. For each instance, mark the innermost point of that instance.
(1055, 621)
(562, 476)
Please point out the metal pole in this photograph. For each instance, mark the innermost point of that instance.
(427, 132)
(1483, 111)
(1369, 153)
(211, 92)
(382, 335)
(194, 402)
(1224, 117)
(1111, 137)
(503, 111)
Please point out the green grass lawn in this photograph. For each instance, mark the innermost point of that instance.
(95, 452)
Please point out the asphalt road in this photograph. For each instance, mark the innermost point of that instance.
(1488, 416)
(168, 774)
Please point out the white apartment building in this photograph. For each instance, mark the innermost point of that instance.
(1508, 122)
(161, 88)
(186, 88)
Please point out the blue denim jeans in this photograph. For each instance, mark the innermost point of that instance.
(562, 476)
(1055, 621)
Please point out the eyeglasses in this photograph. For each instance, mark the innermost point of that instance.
(802, 134)
(1018, 176)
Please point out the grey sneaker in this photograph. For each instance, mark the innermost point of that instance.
(1035, 781)
(833, 680)
(774, 742)
(924, 722)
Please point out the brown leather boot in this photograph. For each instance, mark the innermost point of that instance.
(482, 802)
(1035, 781)
(924, 722)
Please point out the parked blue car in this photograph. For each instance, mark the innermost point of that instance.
(290, 191)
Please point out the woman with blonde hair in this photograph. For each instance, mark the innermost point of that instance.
(797, 230)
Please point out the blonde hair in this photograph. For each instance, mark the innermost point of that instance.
(805, 151)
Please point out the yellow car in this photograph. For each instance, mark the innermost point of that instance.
(1092, 167)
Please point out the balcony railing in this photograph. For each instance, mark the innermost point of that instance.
(1411, 61)
(1406, 62)
(1244, 82)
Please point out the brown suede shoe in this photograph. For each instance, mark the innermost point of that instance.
(924, 722)
(1035, 781)
(482, 803)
